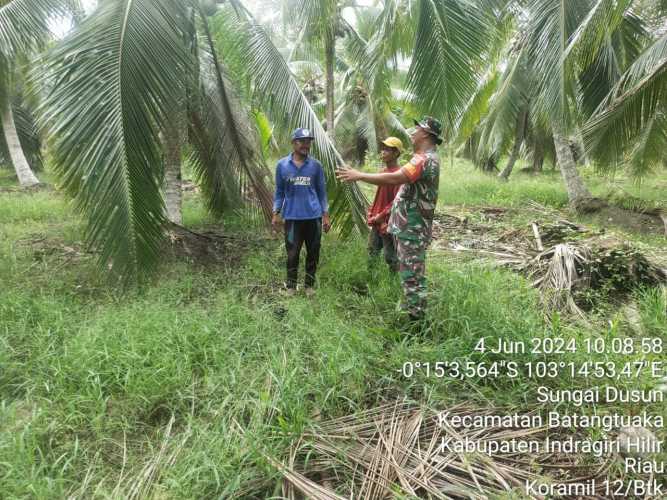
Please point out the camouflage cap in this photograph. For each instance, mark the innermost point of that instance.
(432, 126)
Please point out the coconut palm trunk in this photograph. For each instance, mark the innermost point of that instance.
(578, 194)
(23, 171)
(172, 173)
(381, 132)
(538, 157)
(330, 53)
(520, 133)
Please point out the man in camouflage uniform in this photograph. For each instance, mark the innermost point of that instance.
(411, 219)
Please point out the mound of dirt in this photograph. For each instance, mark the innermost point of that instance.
(210, 247)
(648, 222)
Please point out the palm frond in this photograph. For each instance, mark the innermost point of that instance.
(552, 24)
(451, 40)
(317, 17)
(24, 23)
(396, 127)
(477, 107)
(116, 78)
(619, 49)
(602, 19)
(265, 131)
(393, 37)
(234, 135)
(648, 152)
(635, 102)
(506, 105)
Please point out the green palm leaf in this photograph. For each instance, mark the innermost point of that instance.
(602, 19)
(552, 24)
(451, 40)
(477, 107)
(509, 101)
(638, 101)
(234, 137)
(24, 23)
(648, 151)
(393, 35)
(116, 78)
(618, 50)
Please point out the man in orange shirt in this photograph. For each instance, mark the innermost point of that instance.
(378, 215)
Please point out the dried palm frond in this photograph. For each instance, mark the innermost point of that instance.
(397, 449)
(565, 270)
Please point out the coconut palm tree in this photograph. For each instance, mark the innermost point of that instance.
(628, 126)
(367, 90)
(13, 146)
(561, 63)
(518, 85)
(23, 26)
(318, 23)
(564, 38)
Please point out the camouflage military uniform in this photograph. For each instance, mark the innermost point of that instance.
(411, 223)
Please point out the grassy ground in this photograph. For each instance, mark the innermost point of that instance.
(203, 372)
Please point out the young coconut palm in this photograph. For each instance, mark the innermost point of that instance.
(367, 113)
(277, 91)
(319, 22)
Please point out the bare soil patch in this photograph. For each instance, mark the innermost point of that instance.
(207, 246)
(647, 222)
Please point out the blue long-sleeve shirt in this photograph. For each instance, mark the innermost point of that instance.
(301, 192)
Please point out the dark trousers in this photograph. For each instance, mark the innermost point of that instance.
(298, 232)
(382, 243)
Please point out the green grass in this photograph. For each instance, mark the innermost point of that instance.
(90, 377)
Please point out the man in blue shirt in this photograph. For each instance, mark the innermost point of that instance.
(301, 200)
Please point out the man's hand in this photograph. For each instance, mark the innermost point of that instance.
(326, 223)
(276, 221)
(379, 179)
(348, 174)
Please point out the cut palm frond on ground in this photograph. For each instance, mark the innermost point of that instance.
(565, 271)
